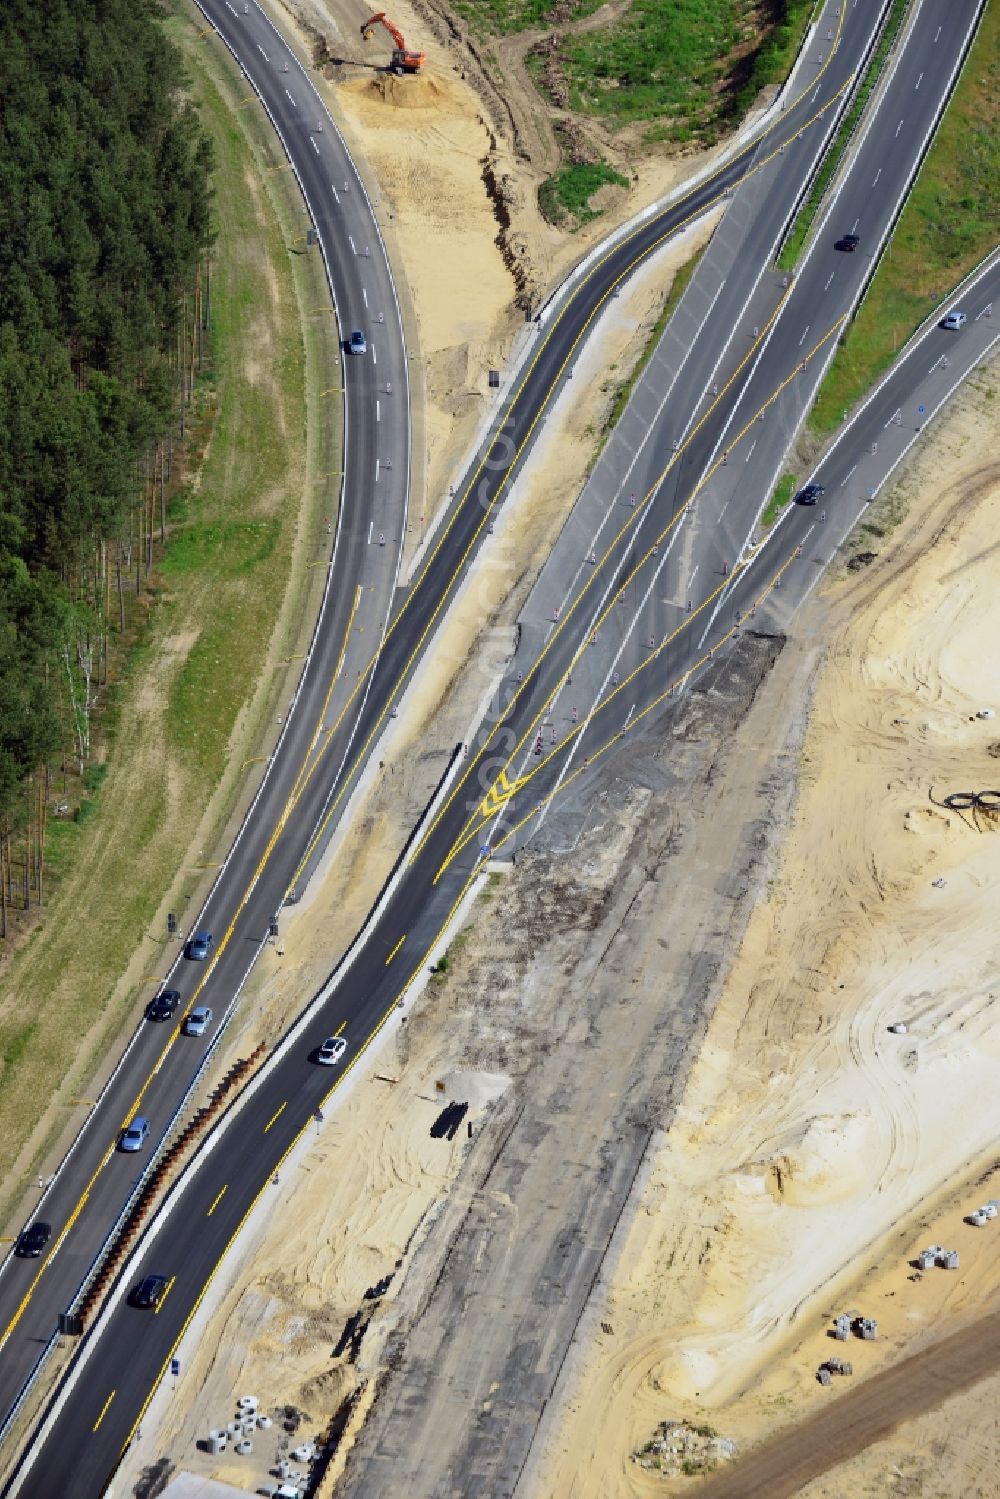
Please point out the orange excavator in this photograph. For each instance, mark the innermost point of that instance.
(403, 60)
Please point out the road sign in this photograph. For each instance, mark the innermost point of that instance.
(175, 1367)
(921, 410)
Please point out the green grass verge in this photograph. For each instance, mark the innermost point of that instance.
(783, 491)
(694, 65)
(504, 17)
(565, 196)
(238, 530)
(948, 224)
(793, 246)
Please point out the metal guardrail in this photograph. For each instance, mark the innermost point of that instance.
(27, 1386)
(97, 1263)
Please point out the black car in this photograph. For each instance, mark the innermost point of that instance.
(164, 1005)
(33, 1240)
(149, 1292)
(848, 243)
(810, 494)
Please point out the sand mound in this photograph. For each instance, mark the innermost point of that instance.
(421, 92)
(820, 1162)
(477, 1089)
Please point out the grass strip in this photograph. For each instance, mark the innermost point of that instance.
(783, 491)
(567, 193)
(793, 246)
(948, 224)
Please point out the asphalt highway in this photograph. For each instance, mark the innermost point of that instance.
(347, 691)
(652, 574)
(96, 1417)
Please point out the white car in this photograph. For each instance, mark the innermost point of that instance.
(954, 320)
(197, 1023)
(330, 1053)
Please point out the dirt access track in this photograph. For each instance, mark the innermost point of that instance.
(867, 1415)
(455, 164)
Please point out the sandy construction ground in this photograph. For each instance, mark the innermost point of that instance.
(455, 184)
(813, 1145)
(360, 1197)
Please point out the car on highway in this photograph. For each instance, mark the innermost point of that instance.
(200, 946)
(848, 243)
(330, 1053)
(810, 494)
(31, 1241)
(133, 1136)
(164, 1005)
(197, 1022)
(149, 1292)
(357, 344)
(954, 320)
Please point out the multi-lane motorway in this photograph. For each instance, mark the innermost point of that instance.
(344, 699)
(591, 636)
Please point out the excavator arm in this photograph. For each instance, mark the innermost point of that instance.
(381, 19)
(403, 60)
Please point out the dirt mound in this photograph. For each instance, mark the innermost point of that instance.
(421, 92)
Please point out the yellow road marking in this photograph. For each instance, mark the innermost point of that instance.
(340, 1028)
(104, 1411)
(443, 535)
(276, 1115)
(458, 899)
(395, 950)
(488, 809)
(655, 703)
(284, 1157)
(159, 1306)
(442, 538)
(19, 1313)
(218, 1199)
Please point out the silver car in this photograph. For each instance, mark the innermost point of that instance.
(330, 1053)
(954, 320)
(196, 1023)
(133, 1136)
